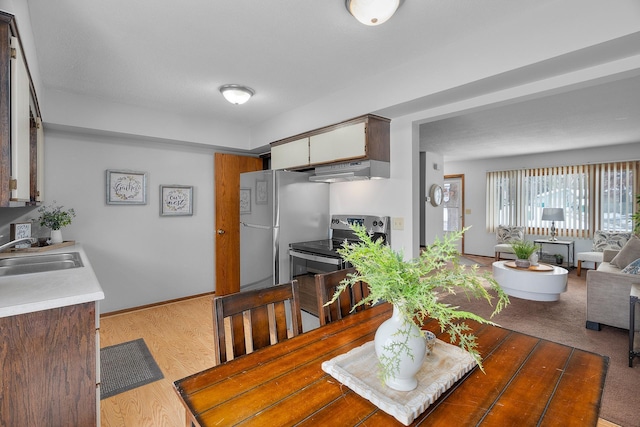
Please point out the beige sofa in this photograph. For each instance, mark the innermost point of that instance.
(608, 295)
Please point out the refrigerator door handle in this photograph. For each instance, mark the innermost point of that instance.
(263, 227)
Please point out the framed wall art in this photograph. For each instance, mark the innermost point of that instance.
(262, 198)
(126, 187)
(20, 230)
(245, 200)
(176, 200)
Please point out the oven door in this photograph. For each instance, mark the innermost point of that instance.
(304, 267)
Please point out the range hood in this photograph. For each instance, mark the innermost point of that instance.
(351, 171)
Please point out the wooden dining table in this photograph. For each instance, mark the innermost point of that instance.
(527, 381)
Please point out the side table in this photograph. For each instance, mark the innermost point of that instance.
(569, 244)
(634, 298)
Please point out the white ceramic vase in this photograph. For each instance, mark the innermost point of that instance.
(533, 259)
(397, 330)
(56, 236)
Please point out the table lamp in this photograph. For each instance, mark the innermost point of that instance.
(553, 215)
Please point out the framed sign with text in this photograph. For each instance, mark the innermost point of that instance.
(176, 200)
(126, 187)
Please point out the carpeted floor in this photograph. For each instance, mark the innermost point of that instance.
(126, 366)
(563, 321)
(467, 261)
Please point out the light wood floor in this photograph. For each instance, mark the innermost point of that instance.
(180, 337)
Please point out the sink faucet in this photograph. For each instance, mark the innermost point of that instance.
(17, 242)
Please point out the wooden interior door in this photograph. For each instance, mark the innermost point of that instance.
(228, 168)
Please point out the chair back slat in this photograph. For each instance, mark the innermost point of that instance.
(326, 284)
(238, 343)
(260, 336)
(256, 319)
(280, 318)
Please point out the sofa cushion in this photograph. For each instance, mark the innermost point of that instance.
(629, 253)
(607, 267)
(609, 240)
(633, 268)
(508, 234)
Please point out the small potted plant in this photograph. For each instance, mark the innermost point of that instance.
(54, 217)
(523, 250)
(413, 287)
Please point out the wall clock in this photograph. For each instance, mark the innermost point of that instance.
(435, 194)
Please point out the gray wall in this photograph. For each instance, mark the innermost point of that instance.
(138, 256)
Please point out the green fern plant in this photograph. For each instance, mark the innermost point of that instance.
(415, 285)
(523, 248)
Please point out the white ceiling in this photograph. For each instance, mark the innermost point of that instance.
(605, 114)
(172, 56)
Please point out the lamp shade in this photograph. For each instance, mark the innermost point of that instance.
(553, 214)
(236, 94)
(372, 12)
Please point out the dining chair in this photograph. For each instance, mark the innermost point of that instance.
(326, 284)
(247, 321)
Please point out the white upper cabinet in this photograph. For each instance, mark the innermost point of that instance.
(20, 125)
(343, 143)
(363, 138)
(21, 132)
(290, 155)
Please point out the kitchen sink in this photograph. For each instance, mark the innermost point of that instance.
(39, 263)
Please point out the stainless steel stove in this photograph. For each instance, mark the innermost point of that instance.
(321, 256)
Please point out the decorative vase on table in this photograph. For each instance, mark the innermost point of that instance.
(401, 343)
(56, 236)
(523, 263)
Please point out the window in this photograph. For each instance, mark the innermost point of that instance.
(594, 197)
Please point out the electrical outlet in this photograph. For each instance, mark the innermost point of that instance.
(397, 224)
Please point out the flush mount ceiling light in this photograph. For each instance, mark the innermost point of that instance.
(372, 12)
(236, 94)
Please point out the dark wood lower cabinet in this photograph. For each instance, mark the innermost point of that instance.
(48, 367)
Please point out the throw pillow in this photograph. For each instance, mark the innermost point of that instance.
(629, 253)
(609, 240)
(507, 234)
(633, 268)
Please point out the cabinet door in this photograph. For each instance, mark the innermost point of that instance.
(290, 155)
(39, 160)
(20, 125)
(344, 143)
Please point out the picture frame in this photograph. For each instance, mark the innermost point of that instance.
(20, 230)
(176, 200)
(245, 200)
(262, 196)
(126, 187)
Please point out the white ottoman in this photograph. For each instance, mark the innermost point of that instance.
(594, 257)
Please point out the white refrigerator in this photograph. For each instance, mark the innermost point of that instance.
(277, 208)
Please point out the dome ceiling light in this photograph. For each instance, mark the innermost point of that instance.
(372, 12)
(236, 94)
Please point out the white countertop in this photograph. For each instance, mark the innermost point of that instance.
(27, 293)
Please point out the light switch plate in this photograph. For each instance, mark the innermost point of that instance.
(397, 224)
